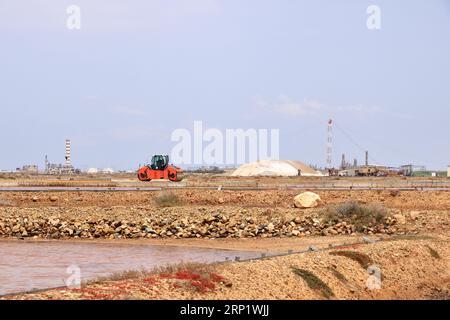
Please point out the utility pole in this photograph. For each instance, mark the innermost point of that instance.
(343, 162)
(329, 162)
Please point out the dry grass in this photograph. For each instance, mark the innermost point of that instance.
(67, 183)
(7, 203)
(364, 260)
(338, 275)
(360, 215)
(173, 268)
(119, 276)
(162, 270)
(411, 237)
(342, 279)
(394, 193)
(434, 253)
(192, 276)
(314, 282)
(167, 199)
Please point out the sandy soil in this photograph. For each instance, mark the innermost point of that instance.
(408, 200)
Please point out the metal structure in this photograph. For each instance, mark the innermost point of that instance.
(409, 169)
(59, 169)
(68, 160)
(345, 164)
(329, 162)
(29, 169)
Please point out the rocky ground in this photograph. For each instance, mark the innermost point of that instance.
(404, 200)
(413, 257)
(210, 214)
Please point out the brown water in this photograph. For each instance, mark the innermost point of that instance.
(27, 266)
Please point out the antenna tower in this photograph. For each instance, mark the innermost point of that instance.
(329, 162)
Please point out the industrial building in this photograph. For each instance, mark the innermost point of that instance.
(58, 169)
(410, 169)
(29, 169)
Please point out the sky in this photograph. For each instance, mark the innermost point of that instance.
(136, 70)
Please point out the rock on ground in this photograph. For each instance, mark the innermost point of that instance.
(307, 200)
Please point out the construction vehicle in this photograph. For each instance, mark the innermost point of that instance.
(160, 169)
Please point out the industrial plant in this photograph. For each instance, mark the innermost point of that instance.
(266, 167)
(61, 169)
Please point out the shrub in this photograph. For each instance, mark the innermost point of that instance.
(167, 199)
(360, 215)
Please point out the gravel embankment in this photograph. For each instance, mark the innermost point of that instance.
(417, 268)
(177, 222)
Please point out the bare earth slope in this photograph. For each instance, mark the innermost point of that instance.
(410, 269)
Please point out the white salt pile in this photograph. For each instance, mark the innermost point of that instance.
(276, 168)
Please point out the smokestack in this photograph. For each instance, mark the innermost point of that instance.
(367, 158)
(68, 160)
(329, 145)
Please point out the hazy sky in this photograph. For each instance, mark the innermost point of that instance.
(137, 70)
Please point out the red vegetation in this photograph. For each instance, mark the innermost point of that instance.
(204, 285)
(216, 277)
(201, 282)
(150, 280)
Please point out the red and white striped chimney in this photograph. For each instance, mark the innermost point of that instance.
(68, 160)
